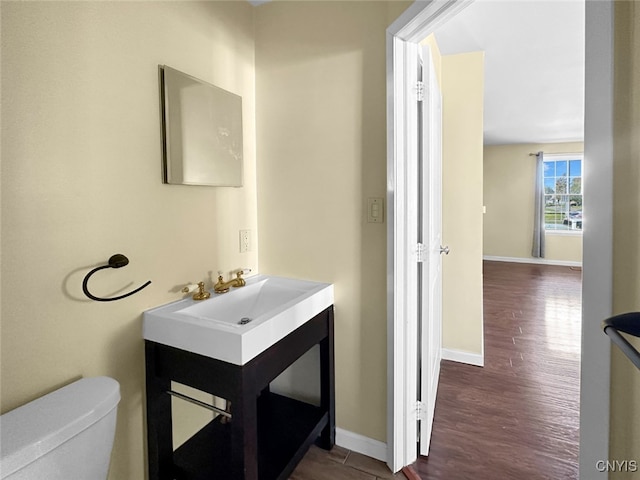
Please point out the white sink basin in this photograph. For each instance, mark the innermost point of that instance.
(238, 325)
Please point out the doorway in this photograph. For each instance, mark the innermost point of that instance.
(501, 420)
(415, 24)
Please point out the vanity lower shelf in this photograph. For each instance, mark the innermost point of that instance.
(285, 429)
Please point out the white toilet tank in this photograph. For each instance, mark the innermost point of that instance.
(65, 435)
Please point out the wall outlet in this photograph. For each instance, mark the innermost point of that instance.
(245, 241)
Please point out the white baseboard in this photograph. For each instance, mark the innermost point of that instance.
(463, 357)
(540, 261)
(361, 444)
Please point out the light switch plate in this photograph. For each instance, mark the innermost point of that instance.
(375, 210)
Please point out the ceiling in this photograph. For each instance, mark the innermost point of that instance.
(534, 66)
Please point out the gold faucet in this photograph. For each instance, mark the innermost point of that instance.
(201, 294)
(223, 287)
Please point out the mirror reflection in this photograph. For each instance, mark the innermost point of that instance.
(202, 132)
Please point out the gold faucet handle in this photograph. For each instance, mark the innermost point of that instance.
(240, 280)
(242, 271)
(201, 294)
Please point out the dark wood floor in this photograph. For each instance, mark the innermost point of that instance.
(518, 416)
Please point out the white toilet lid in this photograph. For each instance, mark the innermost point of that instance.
(34, 429)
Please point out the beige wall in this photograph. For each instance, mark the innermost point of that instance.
(509, 179)
(625, 378)
(320, 70)
(463, 104)
(81, 180)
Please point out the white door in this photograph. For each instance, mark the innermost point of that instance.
(430, 237)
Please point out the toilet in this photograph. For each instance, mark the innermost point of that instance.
(67, 434)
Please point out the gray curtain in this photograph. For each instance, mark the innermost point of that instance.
(538, 216)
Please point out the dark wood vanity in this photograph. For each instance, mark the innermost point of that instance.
(268, 433)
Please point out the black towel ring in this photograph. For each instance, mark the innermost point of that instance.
(116, 261)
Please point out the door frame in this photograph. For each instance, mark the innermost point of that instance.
(415, 24)
(402, 53)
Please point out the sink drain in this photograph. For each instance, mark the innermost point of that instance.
(244, 320)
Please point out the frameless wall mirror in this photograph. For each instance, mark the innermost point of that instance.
(202, 132)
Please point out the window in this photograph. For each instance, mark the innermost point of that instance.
(563, 192)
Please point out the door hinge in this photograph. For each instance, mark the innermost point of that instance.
(421, 252)
(420, 410)
(420, 91)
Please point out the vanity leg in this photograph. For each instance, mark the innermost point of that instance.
(327, 386)
(159, 429)
(244, 436)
